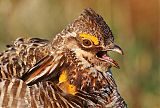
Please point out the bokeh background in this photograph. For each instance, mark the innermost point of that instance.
(135, 25)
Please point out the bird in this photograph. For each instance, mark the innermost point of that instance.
(71, 71)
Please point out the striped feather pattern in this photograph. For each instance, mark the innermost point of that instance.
(46, 69)
(16, 94)
(21, 56)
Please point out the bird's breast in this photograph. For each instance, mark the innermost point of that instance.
(89, 80)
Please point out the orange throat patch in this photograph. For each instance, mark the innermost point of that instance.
(65, 85)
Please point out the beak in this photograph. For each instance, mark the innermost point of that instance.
(102, 55)
(117, 49)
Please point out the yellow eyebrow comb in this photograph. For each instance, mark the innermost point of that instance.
(91, 37)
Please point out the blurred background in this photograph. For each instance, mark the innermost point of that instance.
(135, 25)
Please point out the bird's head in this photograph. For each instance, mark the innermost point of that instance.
(90, 38)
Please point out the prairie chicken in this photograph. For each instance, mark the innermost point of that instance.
(72, 71)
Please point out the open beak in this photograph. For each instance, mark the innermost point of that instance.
(105, 57)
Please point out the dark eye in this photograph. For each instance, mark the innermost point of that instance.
(87, 42)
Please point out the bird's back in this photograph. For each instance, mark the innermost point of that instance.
(21, 56)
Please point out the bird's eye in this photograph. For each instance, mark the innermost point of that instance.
(87, 42)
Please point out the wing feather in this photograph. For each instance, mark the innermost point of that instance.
(47, 68)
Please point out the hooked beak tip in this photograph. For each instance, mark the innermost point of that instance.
(117, 49)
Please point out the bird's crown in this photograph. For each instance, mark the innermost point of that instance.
(91, 25)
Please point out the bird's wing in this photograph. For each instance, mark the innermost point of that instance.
(16, 94)
(21, 56)
(48, 68)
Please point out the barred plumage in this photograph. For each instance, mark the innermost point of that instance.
(21, 56)
(72, 71)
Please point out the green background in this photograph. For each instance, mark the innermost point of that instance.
(135, 25)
